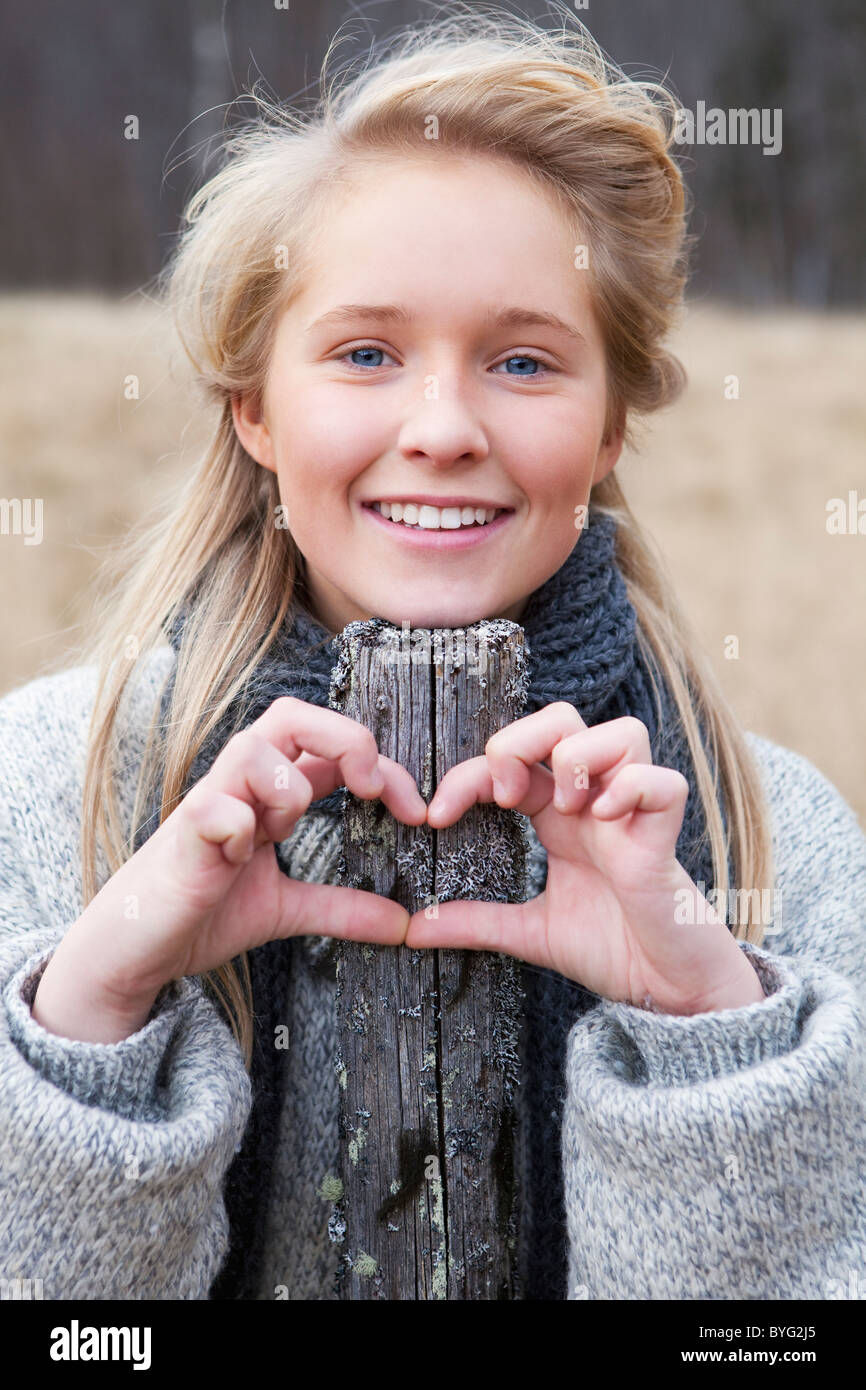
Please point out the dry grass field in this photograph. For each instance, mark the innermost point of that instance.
(733, 491)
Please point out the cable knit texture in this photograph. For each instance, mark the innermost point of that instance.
(712, 1156)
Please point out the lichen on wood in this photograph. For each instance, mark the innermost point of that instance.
(428, 1038)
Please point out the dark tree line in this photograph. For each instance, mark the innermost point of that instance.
(83, 206)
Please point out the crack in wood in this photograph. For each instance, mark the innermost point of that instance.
(436, 1071)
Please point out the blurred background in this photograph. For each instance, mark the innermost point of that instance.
(732, 483)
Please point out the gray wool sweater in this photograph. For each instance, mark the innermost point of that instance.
(719, 1156)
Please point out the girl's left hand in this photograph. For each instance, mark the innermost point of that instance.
(607, 915)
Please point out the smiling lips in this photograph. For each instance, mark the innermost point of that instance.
(422, 526)
(424, 516)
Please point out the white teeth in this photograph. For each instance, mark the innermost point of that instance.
(431, 518)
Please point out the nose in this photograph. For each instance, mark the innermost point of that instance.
(443, 427)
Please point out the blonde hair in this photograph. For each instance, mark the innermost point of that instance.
(497, 85)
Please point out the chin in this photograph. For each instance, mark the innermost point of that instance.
(437, 618)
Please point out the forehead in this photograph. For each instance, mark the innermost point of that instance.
(443, 232)
(443, 193)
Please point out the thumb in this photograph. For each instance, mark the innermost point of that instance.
(351, 914)
(475, 926)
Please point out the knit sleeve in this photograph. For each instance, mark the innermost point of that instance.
(121, 1077)
(718, 1155)
(112, 1156)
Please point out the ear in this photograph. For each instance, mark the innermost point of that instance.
(252, 431)
(608, 454)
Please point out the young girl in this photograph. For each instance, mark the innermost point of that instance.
(425, 318)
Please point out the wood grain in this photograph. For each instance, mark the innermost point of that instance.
(428, 1038)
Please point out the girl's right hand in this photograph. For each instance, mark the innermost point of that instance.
(206, 885)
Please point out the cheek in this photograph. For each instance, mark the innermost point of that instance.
(331, 437)
(553, 461)
(560, 427)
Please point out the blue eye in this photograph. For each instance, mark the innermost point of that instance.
(368, 348)
(524, 357)
(365, 348)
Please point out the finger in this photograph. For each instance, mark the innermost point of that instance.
(297, 727)
(254, 770)
(514, 750)
(471, 783)
(402, 798)
(510, 756)
(350, 914)
(319, 772)
(599, 753)
(213, 829)
(477, 926)
(658, 797)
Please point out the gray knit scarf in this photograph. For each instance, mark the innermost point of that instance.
(580, 638)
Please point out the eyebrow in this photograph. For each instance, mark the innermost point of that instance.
(511, 317)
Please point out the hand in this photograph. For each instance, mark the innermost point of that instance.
(606, 917)
(206, 885)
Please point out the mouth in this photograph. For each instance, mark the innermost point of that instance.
(447, 527)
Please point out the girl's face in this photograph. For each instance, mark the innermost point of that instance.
(443, 356)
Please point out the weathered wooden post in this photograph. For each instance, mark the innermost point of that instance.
(428, 1038)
